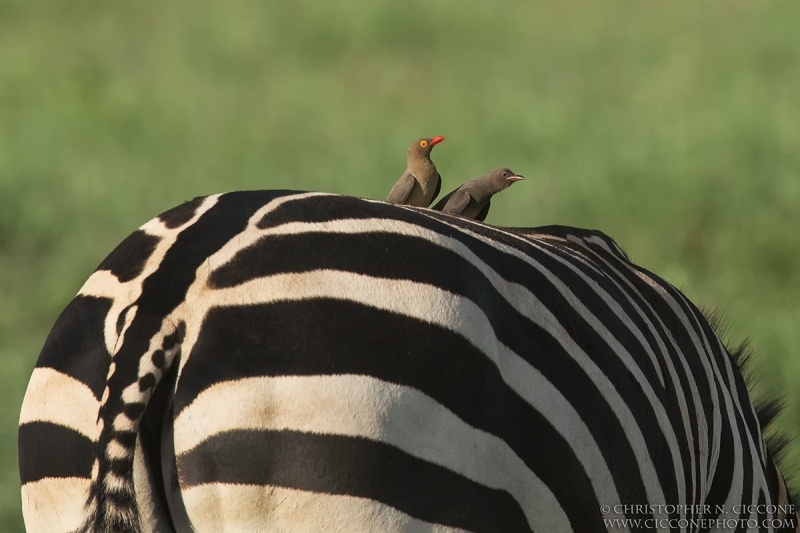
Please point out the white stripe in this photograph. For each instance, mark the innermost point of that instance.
(755, 440)
(602, 243)
(60, 399)
(221, 508)
(362, 406)
(104, 284)
(54, 505)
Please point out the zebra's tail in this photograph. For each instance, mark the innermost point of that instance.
(133, 377)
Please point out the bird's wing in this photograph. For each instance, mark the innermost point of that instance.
(459, 200)
(401, 190)
(483, 212)
(438, 187)
(441, 203)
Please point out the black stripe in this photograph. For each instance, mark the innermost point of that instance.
(121, 319)
(52, 450)
(331, 207)
(275, 340)
(747, 464)
(180, 215)
(76, 344)
(762, 516)
(130, 257)
(722, 477)
(352, 466)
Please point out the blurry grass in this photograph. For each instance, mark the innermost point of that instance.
(673, 127)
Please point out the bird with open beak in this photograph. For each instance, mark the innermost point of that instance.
(472, 199)
(420, 183)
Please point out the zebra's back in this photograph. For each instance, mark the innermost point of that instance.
(275, 361)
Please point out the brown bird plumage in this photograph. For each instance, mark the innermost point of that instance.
(472, 199)
(420, 183)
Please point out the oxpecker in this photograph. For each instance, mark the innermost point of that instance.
(420, 183)
(472, 199)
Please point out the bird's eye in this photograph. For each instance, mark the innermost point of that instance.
(423, 143)
(505, 174)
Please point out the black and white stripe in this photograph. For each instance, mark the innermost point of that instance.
(276, 361)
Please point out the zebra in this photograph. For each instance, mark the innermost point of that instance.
(292, 361)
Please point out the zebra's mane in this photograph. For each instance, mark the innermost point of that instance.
(768, 406)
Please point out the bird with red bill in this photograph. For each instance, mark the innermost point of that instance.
(421, 182)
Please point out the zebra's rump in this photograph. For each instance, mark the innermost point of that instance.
(340, 364)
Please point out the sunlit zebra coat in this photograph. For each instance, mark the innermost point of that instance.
(278, 361)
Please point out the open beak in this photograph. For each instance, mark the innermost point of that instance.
(436, 140)
(512, 179)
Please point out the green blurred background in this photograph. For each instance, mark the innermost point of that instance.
(672, 126)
